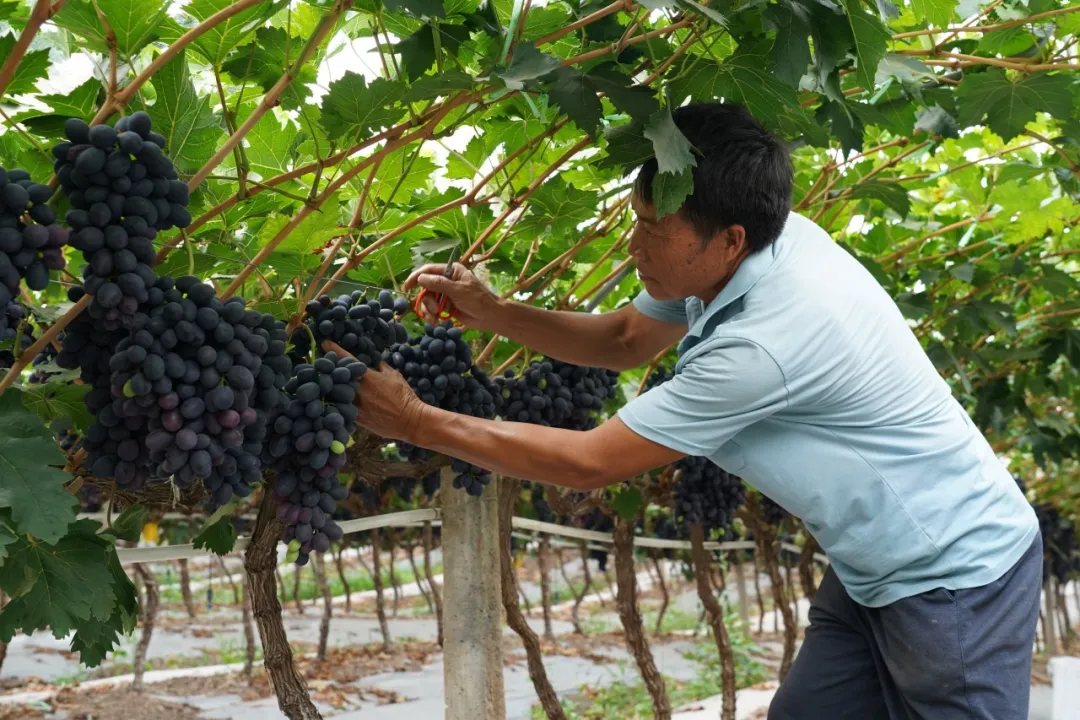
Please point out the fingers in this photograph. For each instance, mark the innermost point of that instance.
(430, 268)
(437, 282)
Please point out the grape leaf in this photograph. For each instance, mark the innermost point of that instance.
(936, 12)
(265, 59)
(892, 194)
(673, 151)
(670, 190)
(627, 147)
(527, 64)
(576, 96)
(129, 524)
(353, 109)
(312, 233)
(95, 638)
(846, 126)
(31, 483)
(57, 585)
(81, 102)
(1009, 105)
(935, 121)
(559, 206)
(870, 42)
(33, 66)
(637, 101)
(59, 399)
(627, 503)
(790, 52)
(218, 537)
(441, 84)
(215, 44)
(135, 23)
(6, 538)
(419, 8)
(417, 52)
(191, 131)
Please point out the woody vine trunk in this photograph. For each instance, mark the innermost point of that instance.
(138, 662)
(544, 561)
(716, 619)
(435, 594)
(344, 580)
(260, 562)
(328, 604)
(549, 700)
(630, 615)
(806, 567)
(185, 588)
(410, 550)
(765, 537)
(376, 574)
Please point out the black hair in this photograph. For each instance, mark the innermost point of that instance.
(743, 174)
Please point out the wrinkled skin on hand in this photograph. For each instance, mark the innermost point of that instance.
(388, 406)
(475, 303)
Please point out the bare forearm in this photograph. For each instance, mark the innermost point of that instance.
(575, 337)
(529, 452)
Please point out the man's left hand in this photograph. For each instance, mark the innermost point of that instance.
(388, 406)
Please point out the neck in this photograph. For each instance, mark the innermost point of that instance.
(709, 293)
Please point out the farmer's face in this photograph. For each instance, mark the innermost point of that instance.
(675, 262)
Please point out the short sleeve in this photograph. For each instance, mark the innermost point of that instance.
(669, 311)
(719, 392)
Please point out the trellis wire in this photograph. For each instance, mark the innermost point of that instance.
(411, 517)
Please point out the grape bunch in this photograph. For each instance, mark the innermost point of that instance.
(544, 513)
(123, 189)
(555, 394)
(773, 513)
(31, 241)
(14, 330)
(364, 328)
(706, 494)
(1061, 547)
(659, 376)
(307, 445)
(184, 394)
(438, 366)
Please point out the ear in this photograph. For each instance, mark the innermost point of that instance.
(733, 238)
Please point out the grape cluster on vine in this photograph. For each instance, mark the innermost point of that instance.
(306, 447)
(31, 241)
(706, 494)
(14, 329)
(183, 394)
(556, 394)
(1061, 546)
(438, 366)
(364, 328)
(123, 189)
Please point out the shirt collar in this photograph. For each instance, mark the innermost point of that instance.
(749, 272)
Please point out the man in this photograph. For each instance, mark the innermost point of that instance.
(798, 373)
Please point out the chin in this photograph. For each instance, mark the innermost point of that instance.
(655, 290)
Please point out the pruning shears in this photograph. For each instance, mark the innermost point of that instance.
(446, 309)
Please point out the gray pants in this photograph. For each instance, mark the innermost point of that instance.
(942, 655)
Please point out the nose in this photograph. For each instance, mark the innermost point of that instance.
(636, 247)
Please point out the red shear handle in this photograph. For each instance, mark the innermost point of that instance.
(446, 309)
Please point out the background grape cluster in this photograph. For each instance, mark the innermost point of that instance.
(706, 494)
(123, 189)
(15, 332)
(438, 366)
(556, 394)
(362, 327)
(307, 449)
(31, 241)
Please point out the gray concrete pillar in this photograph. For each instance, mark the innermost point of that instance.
(472, 650)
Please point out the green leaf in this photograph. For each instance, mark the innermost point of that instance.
(1006, 42)
(33, 66)
(6, 538)
(218, 537)
(527, 64)
(134, 22)
(870, 42)
(264, 60)
(417, 52)
(673, 151)
(936, 12)
(419, 8)
(313, 232)
(215, 44)
(191, 131)
(57, 586)
(627, 503)
(352, 109)
(1058, 282)
(437, 85)
(708, 12)
(904, 68)
(576, 96)
(1008, 105)
(635, 100)
(964, 272)
(746, 80)
(892, 194)
(935, 121)
(59, 399)
(846, 126)
(81, 102)
(31, 483)
(627, 147)
(670, 190)
(790, 53)
(559, 207)
(128, 526)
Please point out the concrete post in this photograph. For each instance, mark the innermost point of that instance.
(472, 649)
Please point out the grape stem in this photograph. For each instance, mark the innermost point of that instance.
(43, 10)
(46, 337)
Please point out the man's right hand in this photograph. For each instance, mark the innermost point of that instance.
(476, 304)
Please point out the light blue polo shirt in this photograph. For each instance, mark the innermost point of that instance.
(803, 378)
